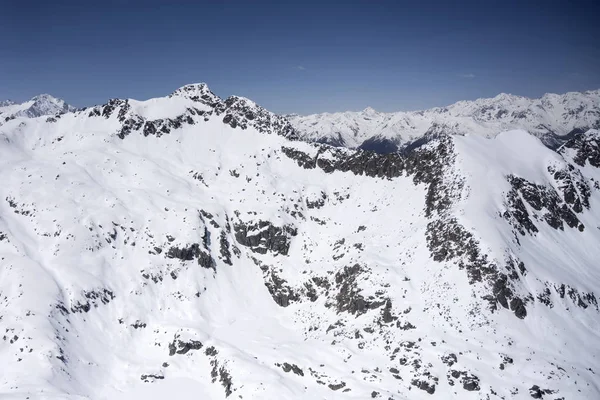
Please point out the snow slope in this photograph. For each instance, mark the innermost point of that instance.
(550, 118)
(40, 105)
(189, 246)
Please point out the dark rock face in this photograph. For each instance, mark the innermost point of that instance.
(580, 299)
(470, 383)
(287, 367)
(348, 298)
(192, 252)
(206, 261)
(501, 291)
(282, 293)
(363, 163)
(448, 240)
(518, 307)
(113, 105)
(222, 374)
(304, 160)
(386, 314)
(449, 359)
(537, 393)
(182, 347)
(506, 360)
(226, 381)
(185, 253)
(336, 386)
(317, 203)
(586, 147)
(130, 125)
(547, 203)
(279, 289)
(263, 236)
(517, 214)
(359, 162)
(211, 351)
(574, 188)
(243, 113)
(151, 377)
(161, 127)
(224, 246)
(21, 209)
(138, 325)
(424, 385)
(91, 300)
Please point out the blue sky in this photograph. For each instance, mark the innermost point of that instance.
(301, 57)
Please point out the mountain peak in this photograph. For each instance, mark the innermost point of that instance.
(5, 103)
(42, 104)
(45, 97)
(507, 97)
(369, 110)
(193, 89)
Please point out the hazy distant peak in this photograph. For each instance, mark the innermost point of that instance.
(551, 117)
(369, 110)
(42, 104)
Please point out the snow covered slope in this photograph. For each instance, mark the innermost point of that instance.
(189, 247)
(551, 118)
(44, 104)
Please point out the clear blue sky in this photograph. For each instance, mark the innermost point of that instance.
(303, 57)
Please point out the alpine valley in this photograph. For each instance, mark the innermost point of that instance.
(193, 247)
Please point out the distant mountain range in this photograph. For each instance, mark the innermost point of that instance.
(43, 104)
(552, 118)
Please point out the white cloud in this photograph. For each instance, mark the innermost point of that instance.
(467, 76)
(300, 68)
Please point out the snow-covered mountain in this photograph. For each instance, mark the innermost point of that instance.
(190, 247)
(551, 118)
(38, 106)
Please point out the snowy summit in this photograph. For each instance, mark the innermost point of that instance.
(38, 106)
